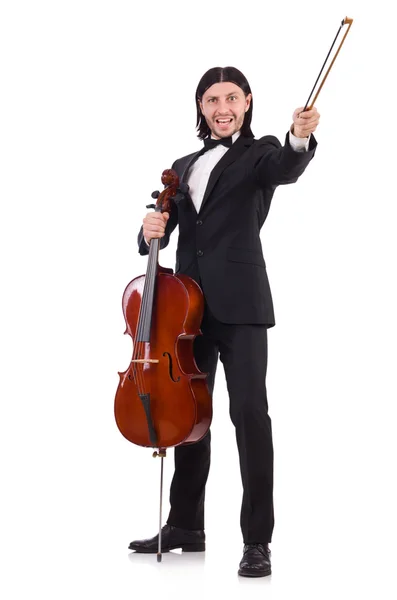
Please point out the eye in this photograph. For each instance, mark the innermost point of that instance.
(211, 99)
(232, 97)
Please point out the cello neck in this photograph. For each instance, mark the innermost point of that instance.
(146, 312)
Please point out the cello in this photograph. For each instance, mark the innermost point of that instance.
(162, 399)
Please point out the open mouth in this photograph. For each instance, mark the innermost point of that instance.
(224, 122)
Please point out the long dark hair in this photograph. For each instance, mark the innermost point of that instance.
(218, 75)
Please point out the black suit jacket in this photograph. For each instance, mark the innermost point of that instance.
(220, 246)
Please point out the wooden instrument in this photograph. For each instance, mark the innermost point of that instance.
(162, 399)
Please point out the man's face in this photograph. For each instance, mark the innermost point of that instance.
(224, 106)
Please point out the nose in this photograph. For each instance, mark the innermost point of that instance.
(222, 107)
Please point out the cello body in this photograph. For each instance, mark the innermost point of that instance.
(162, 399)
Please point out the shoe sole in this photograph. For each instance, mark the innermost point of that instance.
(183, 547)
(257, 574)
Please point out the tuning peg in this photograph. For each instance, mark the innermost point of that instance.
(182, 190)
(155, 194)
(150, 206)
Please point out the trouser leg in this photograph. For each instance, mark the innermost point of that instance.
(243, 351)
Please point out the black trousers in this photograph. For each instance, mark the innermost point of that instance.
(243, 351)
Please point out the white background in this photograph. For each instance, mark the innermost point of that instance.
(97, 99)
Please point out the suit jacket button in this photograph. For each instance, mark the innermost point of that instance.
(200, 253)
(199, 222)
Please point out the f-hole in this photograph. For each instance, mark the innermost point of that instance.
(170, 366)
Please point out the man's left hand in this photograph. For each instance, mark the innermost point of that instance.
(305, 122)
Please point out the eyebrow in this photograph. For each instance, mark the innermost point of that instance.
(233, 93)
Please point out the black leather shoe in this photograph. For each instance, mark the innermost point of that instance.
(171, 538)
(255, 561)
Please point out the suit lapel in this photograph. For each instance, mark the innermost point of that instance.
(238, 148)
(185, 171)
(190, 161)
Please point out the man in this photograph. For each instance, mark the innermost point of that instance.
(231, 182)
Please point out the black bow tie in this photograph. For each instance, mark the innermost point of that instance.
(210, 143)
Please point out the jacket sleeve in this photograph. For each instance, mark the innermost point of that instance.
(279, 165)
